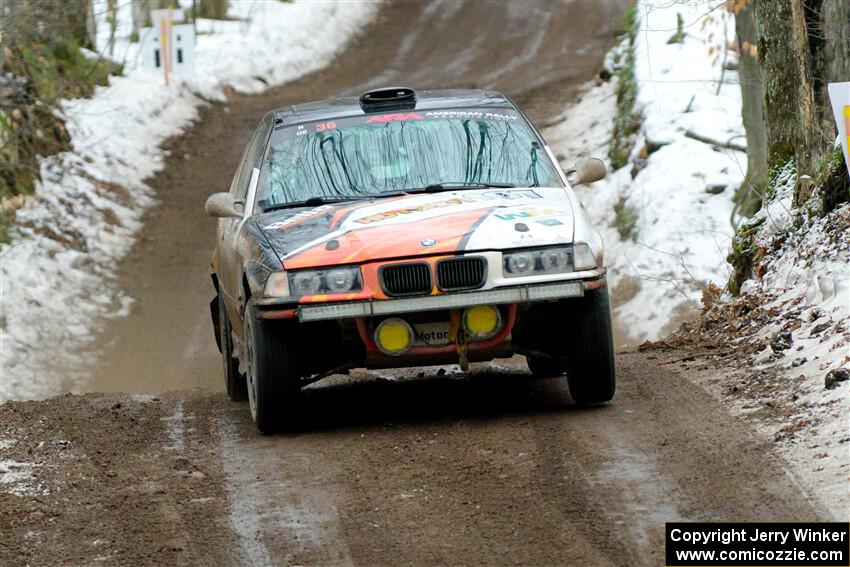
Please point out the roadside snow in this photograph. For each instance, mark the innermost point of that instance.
(776, 343)
(807, 280)
(17, 478)
(682, 231)
(57, 275)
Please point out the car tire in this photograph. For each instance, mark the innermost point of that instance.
(591, 373)
(234, 381)
(273, 380)
(545, 367)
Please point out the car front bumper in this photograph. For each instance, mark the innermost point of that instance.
(273, 308)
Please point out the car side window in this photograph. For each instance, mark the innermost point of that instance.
(252, 158)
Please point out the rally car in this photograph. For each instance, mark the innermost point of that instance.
(398, 229)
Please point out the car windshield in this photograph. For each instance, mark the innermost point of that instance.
(366, 156)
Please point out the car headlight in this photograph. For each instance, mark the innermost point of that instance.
(305, 283)
(583, 257)
(332, 280)
(519, 263)
(340, 281)
(555, 259)
(549, 260)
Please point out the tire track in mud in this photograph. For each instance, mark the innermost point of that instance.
(497, 467)
(278, 509)
(492, 467)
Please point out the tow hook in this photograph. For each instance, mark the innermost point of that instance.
(462, 350)
(458, 335)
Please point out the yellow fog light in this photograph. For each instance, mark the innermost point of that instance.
(482, 321)
(393, 336)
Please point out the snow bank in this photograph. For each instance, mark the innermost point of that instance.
(779, 341)
(56, 278)
(678, 190)
(806, 283)
(792, 324)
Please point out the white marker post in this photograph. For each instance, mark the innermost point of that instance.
(163, 21)
(839, 95)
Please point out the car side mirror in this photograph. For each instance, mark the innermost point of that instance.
(223, 205)
(587, 170)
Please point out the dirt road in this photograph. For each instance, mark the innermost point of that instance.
(493, 468)
(490, 468)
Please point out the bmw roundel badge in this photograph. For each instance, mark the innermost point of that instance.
(428, 242)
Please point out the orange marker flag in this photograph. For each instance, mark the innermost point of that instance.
(839, 96)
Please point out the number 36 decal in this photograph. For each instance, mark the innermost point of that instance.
(325, 126)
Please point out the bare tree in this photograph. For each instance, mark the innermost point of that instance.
(748, 197)
(803, 45)
(112, 19)
(215, 9)
(789, 105)
(142, 13)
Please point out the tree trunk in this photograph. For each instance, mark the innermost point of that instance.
(789, 106)
(91, 26)
(112, 19)
(835, 67)
(140, 17)
(214, 9)
(142, 13)
(749, 194)
(69, 19)
(829, 38)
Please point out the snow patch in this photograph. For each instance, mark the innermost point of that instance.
(677, 191)
(57, 277)
(18, 478)
(808, 278)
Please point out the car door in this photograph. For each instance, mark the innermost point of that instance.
(230, 273)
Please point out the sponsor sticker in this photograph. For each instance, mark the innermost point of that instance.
(431, 334)
(486, 196)
(298, 217)
(529, 212)
(400, 117)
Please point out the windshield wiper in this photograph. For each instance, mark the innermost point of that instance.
(311, 202)
(450, 185)
(328, 200)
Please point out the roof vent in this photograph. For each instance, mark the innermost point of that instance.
(388, 98)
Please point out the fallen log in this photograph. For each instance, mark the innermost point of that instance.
(711, 141)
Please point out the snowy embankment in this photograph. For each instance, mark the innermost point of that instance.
(787, 340)
(673, 231)
(56, 277)
(780, 348)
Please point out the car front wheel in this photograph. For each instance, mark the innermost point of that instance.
(274, 387)
(590, 350)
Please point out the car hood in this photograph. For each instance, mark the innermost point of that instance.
(422, 224)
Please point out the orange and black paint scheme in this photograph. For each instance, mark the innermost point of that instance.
(545, 320)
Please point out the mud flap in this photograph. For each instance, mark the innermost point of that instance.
(215, 321)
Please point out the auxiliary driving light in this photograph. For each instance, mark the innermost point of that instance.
(482, 321)
(393, 336)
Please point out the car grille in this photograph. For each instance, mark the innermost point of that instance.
(461, 273)
(406, 279)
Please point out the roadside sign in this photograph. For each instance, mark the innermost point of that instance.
(839, 95)
(168, 46)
